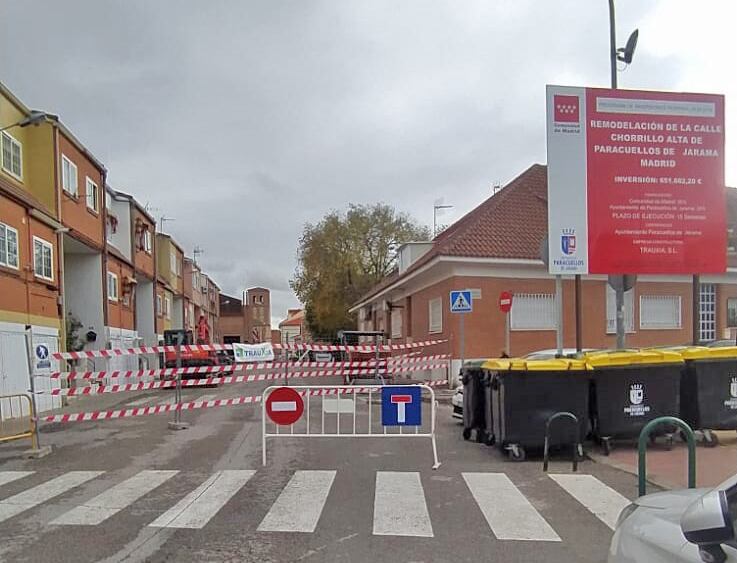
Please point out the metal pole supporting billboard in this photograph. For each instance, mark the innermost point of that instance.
(559, 314)
(579, 315)
(618, 287)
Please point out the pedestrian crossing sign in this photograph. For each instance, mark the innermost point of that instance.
(461, 301)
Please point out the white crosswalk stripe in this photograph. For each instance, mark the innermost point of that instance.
(399, 505)
(300, 504)
(44, 492)
(198, 507)
(507, 511)
(400, 501)
(10, 476)
(112, 501)
(601, 500)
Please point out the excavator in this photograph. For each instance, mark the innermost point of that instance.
(193, 358)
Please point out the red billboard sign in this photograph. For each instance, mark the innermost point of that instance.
(635, 182)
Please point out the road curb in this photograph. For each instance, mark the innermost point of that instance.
(651, 479)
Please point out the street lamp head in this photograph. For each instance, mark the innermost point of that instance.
(625, 54)
(34, 118)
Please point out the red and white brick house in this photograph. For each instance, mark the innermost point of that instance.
(496, 247)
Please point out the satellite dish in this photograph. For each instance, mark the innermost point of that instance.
(625, 55)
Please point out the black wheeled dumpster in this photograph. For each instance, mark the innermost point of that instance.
(631, 388)
(526, 393)
(709, 390)
(476, 403)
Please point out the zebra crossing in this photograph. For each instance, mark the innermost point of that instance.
(157, 401)
(400, 506)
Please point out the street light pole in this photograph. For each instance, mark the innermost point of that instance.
(612, 44)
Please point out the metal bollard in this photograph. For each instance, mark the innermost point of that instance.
(642, 451)
(576, 444)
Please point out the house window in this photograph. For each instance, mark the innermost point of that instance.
(611, 311)
(396, 323)
(11, 156)
(43, 258)
(69, 176)
(8, 246)
(660, 312)
(732, 313)
(112, 286)
(159, 311)
(533, 311)
(147, 242)
(436, 315)
(175, 264)
(707, 312)
(92, 193)
(167, 307)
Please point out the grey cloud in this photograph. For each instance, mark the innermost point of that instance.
(244, 120)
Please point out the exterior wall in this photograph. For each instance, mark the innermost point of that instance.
(121, 312)
(165, 247)
(120, 237)
(177, 312)
(485, 327)
(37, 154)
(290, 334)
(233, 326)
(24, 298)
(145, 310)
(159, 311)
(258, 314)
(143, 261)
(83, 292)
(86, 225)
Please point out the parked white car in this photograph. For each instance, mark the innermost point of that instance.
(689, 525)
(457, 402)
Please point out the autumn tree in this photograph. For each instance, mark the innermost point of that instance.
(343, 256)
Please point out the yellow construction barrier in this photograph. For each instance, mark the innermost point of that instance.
(17, 420)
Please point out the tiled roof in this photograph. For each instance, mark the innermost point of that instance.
(511, 224)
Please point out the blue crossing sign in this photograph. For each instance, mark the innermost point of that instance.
(401, 406)
(461, 301)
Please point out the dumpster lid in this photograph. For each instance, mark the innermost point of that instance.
(705, 353)
(551, 364)
(609, 358)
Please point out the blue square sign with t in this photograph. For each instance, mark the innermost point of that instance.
(401, 406)
(461, 301)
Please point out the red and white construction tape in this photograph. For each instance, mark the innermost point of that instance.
(102, 389)
(243, 367)
(192, 405)
(115, 352)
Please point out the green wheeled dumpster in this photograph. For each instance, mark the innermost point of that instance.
(709, 390)
(631, 388)
(476, 403)
(526, 393)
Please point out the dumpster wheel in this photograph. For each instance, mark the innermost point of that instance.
(516, 452)
(711, 440)
(606, 445)
(490, 440)
(466, 433)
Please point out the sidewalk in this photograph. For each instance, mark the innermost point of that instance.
(669, 469)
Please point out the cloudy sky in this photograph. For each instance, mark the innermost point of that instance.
(243, 120)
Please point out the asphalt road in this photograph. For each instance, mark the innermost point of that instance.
(133, 490)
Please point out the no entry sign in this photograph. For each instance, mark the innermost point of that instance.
(284, 406)
(635, 182)
(505, 301)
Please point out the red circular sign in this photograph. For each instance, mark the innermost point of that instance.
(284, 406)
(505, 301)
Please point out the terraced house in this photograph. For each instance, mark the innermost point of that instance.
(81, 264)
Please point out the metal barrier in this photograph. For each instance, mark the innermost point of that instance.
(577, 448)
(363, 425)
(17, 419)
(642, 450)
